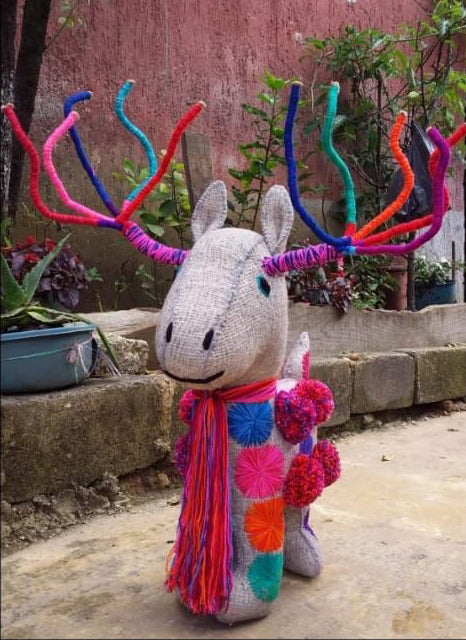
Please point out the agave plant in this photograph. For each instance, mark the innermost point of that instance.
(19, 306)
(20, 309)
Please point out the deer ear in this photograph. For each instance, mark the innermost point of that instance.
(276, 218)
(210, 211)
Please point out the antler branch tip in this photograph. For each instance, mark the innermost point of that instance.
(202, 103)
(298, 83)
(8, 105)
(335, 84)
(131, 81)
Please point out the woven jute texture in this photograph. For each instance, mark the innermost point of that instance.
(221, 326)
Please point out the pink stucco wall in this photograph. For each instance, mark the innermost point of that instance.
(178, 51)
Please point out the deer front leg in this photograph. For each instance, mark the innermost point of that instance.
(257, 508)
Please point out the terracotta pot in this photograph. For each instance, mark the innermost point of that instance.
(397, 299)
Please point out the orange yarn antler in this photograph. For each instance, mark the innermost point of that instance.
(408, 174)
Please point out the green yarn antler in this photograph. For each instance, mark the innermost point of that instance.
(332, 153)
(126, 122)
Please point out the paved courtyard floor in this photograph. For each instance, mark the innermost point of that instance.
(393, 532)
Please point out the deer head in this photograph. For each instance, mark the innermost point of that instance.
(225, 320)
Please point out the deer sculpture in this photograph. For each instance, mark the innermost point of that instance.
(251, 461)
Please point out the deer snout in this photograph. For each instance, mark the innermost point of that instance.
(205, 343)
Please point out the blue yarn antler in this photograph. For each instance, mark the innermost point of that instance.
(68, 106)
(339, 243)
(126, 122)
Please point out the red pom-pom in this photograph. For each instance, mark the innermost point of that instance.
(304, 482)
(181, 454)
(186, 408)
(326, 453)
(295, 413)
(321, 395)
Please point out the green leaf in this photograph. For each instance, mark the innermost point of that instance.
(167, 208)
(44, 319)
(31, 280)
(14, 295)
(339, 120)
(265, 97)
(156, 229)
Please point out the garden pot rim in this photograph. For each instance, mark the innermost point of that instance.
(71, 327)
(436, 284)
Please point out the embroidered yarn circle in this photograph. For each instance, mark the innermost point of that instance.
(259, 471)
(250, 423)
(265, 525)
(265, 576)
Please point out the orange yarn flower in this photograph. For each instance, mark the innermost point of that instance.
(264, 523)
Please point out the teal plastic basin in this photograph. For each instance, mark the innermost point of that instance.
(47, 359)
(437, 294)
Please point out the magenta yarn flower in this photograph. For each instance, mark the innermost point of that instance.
(259, 471)
(326, 453)
(304, 482)
(295, 413)
(181, 454)
(185, 410)
(321, 395)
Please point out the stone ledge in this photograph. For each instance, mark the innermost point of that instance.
(336, 373)
(440, 373)
(52, 440)
(382, 381)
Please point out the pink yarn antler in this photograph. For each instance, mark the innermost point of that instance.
(49, 145)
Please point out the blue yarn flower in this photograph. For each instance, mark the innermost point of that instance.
(265, 575)
(250, 423)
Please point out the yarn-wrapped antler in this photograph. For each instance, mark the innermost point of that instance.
(360, 242)
(121, 222)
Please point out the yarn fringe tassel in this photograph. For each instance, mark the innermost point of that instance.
(201, 559)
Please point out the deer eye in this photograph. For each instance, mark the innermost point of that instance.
(263, 285)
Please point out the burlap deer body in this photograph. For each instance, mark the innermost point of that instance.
(250, 460)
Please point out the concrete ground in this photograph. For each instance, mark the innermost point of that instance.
(393, 531)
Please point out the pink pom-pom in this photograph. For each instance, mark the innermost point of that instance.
(181, 454)
(321, 395)
(304, 482)
(185, 411)
(326, 453)
(295, 414)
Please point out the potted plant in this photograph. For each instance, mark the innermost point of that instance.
(44, 345)
(433, 282)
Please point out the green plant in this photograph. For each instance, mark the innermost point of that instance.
(429, 273)
(371, 281)
(61, 282)
(381, 73)
(263, 154)
(148, 284)
(20, 309)
(167, 206)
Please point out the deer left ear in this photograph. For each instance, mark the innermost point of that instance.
(276, 218)
(210, 211)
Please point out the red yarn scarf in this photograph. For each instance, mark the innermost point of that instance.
(202, 555)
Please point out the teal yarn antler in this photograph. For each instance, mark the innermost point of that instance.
(126, 122)
(327, 144)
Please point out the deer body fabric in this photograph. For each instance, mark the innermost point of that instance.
(250, 461)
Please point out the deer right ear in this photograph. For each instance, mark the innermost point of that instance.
(276, 218)
(210, 211)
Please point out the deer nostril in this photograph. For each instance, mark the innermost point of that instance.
(208, 339)
(168, 335)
